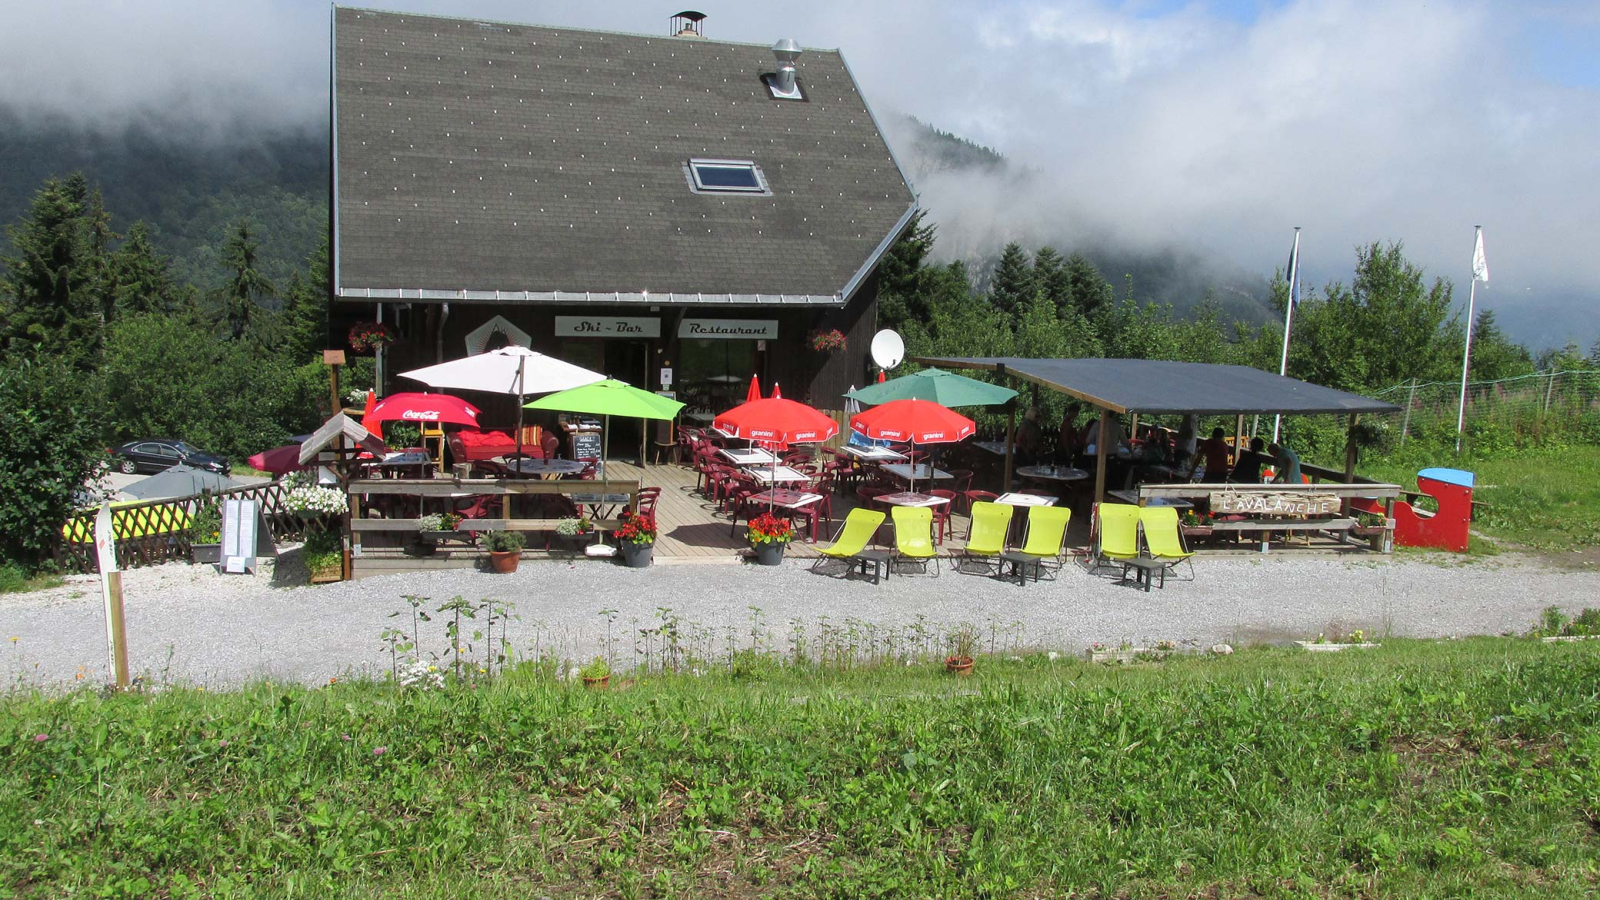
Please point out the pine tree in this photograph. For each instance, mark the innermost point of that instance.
(305, 311)
(140, 277)
(1050, 275)
(53, 309)
(1013, 286)
(241, 312)
(1086, 291)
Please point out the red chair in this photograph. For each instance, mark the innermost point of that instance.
(647, 500)
(819, 513)
(961, 483)
(550, 445)
(591, 468)
(941, 514)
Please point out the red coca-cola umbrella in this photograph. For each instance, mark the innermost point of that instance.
(915, 422)
(434, 409)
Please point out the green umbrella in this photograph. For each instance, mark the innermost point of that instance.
(609, 398)
(943, 388)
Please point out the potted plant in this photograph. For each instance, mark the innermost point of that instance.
(829, 341)
(324, 557)
(636, 536)
(438, 526)
(205, 533)
(369, 336)
(963, 643)
(596, 673)
(1196, 524)
(309, 500)
(505, 549)
(768, 535)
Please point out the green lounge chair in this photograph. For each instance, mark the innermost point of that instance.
(1045, 547)
(987, 538)
(913, 535)
(1164, 539)
(1118, 532)
(853, 536)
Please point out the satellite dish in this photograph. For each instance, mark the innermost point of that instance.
(887, 349)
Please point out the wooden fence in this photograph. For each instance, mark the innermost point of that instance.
(155, 531)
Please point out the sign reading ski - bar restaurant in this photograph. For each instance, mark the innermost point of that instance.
(607, 326)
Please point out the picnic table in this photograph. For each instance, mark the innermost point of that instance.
(998, 448)
(400, 464)
(1014, 499)
(918, 472)
(748, 456)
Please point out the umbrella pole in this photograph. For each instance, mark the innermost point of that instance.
(605, 448)
(522, 363)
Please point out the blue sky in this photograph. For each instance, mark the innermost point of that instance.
(1212, 124)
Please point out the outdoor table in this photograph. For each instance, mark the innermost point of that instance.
(919, 472)
(766, 475)
(1052, 473)
(873, 454)
(393, 464)
(1019, 563)
(751, 456)
(1143, 568)
(546, 468)
(878, 559)
(1133, 498)
(998, 448)
(785, 499)
(1014, 499)
(703, 419)
(907, 498)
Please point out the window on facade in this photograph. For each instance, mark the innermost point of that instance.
(727, 176)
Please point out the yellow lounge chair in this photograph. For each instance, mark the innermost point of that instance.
(987, 538)
(1164, 538)
(853, 536)
(913, 535)
(1118, 532)
(1047, 539)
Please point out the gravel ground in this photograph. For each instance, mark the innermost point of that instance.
(188, 624)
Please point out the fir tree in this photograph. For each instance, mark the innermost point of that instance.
(141, 277)
(241, 310)
(305, 311)
(1050, 275)
(53, 309)
(1013, 286)
(1086, 291)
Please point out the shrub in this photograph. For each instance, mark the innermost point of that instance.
(49, 449)
(502, 541)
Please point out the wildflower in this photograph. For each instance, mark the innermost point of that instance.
(15, 639)
(379, 751)
(344, 737)
(222, 743)
(1053, 656)
(40, 738)
(333, 680)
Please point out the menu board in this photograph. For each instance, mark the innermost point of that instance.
(586, 445)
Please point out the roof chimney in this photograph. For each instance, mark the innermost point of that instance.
(689, 24)
(783, 83)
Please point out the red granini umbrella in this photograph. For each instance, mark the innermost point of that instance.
(440, 409)
(755, 390)
(914, 421)
(776, 422)
(777, 394)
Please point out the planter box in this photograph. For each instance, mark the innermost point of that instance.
(205, 554)
(1130, 655)
(1568, 638)
(327, 575)
(1197, 530)
(445, 536)
(1334, 648)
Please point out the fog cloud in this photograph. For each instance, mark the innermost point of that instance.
(1150, 124)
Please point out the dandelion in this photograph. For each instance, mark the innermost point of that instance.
(15, 639)
(379, 751)
(40, 738)
(1053, 656)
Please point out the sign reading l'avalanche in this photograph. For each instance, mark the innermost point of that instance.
(729, 329)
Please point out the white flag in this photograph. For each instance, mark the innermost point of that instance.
(1480, 263)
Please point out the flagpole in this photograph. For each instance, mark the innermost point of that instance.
(1466, 351)
(1288, 320)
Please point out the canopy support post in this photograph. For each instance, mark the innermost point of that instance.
(1238, 438)
(1350, 450)
(1011, 444)
(1100, 456)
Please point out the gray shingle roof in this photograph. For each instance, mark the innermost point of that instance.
(493, 157)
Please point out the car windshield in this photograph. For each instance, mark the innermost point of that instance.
(187, 449)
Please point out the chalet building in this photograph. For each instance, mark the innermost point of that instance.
(673, 211)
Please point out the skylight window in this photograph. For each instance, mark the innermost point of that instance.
(726, 176)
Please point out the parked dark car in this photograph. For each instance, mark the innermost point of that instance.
(160, 454)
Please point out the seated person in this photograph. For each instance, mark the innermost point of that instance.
(1114, 437)
(1030, 438)
(1069, 441)
(1247, 470)
(1287, 462)
(1214, 451)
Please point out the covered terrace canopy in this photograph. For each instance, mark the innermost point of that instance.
(1164, 387)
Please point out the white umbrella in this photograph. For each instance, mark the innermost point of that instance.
(517, 371)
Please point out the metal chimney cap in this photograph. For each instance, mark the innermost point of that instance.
(786, 50)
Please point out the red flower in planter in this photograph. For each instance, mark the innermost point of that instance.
(636, 528)
(768, 528)
(827, 341)
(366, 336)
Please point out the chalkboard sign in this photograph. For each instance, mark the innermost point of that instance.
(586, 445)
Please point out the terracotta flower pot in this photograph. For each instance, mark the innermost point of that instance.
(960, 665)
(597, 684)
(504, 561)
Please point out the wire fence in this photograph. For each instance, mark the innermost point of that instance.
(1522, 411)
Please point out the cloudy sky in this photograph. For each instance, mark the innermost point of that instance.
(1214, 125)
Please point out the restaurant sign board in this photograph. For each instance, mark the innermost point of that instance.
(607, 327)
(1274, 503)
(729, 329)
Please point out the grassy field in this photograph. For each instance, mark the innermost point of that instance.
(1463, 769)
(1546, 500)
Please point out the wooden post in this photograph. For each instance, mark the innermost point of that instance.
(1011, 443)
(1100, 456)
(1350, 450)
(335, 359)
(1238, 438)
(111, 589)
